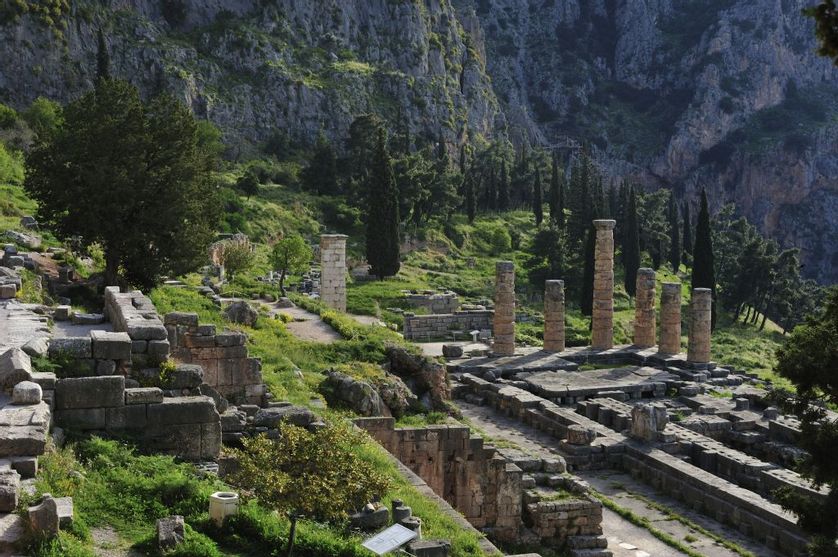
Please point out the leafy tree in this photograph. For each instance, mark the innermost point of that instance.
(236, 256)
(209, 138)
(130, 177)
(318, 475)
(825, 15)
(631, 246)
(248, 183)
(103, 59)
(320, 176)
(11, 166)
(290, 255)
(674, 236)
(537, 199)
(809, 359)
(548, 255)
(703, 272)
(383, 215)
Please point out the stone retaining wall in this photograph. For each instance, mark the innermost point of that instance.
(437, 303)
(222, 355)
(134, 313)
(439, 326)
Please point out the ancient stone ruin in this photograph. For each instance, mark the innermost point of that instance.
(333, 270)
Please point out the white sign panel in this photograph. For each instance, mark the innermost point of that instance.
(389, 539)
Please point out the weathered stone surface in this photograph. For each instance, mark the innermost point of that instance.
(9, 490)
(296, 415)
(452, 351)
(602, 326)
(370, 519)
(110, 346)
(242, 313)
(62, 313)
(185, 376)
(221, 403)
(670, 334)
(65, 512)
(171, 531)
(359, 396)
(26, 392)
(82, 418)
(554, 327)
(88, 318)
(333, 270)
(143, 395)
(15, 366)
(504, 318)
(44, 516)
(182, 410)
(644, 309)
(126, 417)
(37, 347)
(181, 318)
(90, 392)
(72, 347)
(23, 429)
(698, 350)
(647, 420)
(426, 378)
(579, 435)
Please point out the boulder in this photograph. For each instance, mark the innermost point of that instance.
(426, 378)
(28, 221)
(370, 518)
(296, 415)
(15, 366)
(36, 347)
(44, 516)
(359, 396)
(27, 392)
(171, 531)
(452, 351)
(429, 548)
(242, 313)
(30, 241)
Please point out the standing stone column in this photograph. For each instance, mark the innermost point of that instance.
(333, 270)
(602, 336)
(670, 341)
(698, 351)
(504, 320)
(554, 315)
(644, 309)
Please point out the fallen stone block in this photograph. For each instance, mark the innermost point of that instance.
(36, 347)
(88, 318)
(9, 490)
(44, 516)
(143, 395)
(65, 512)
(429, 548)
(8, 291)
(171, 531)
(26, 466)
(62, 313)
(296, 415)
(15, 366)
(26, 392)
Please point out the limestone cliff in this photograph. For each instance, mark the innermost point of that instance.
(684, 94)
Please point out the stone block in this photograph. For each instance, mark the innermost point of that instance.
(90, 392)
(72, 347)
(143, 395)
(181, 318)
(65, 512)
(36, 347)
(105, 367)
(139, 346)
(110, 346)
(158, 350)
(7, 291)
(126, 417)
(230, 338)
(185, 376)
(147, 330)
(171, 532)
(210, 440)
(9, 490)
(429, 548)
(182, 410)
(62, 313)
(82, 418)
(26, 392)
(88, 318)
(15, 366)
(26, 466)
(43, 517)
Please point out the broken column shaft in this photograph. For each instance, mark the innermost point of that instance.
(670, 339)
(504, 319)
(644, 309)
(602, 335)
(333, 270)
(698, 351)
(554, 338)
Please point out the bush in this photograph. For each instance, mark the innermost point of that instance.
(8, 117)
(11, 167)
(492, 237)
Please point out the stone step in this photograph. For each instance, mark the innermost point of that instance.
(587, 542)
(12, 528)
(591, 553)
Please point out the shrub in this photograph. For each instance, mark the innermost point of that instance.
(11, 167)
(492, 238)
(8, 117)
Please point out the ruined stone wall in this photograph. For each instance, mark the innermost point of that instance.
(473, 478)
(222, 355)
(424, 327)
(440, 302)
(333, 270)
(134, 313)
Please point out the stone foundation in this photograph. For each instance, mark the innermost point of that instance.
(442, 326)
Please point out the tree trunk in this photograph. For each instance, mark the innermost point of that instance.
(764, 319)
(291, 534)
(747, 313)
(111, 269)
(282, 282)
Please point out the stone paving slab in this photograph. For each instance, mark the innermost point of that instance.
(19, 324)
(553, 384)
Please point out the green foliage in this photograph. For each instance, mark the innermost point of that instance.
(383, 215)
(320, 176)
(8, 117)
(492, 238)
(248, 183)
(236, 256)
(44, 116)
(11, 168)
(146, 199)
(317, 474)
(704, 274)
(825, 15)
(292, 255)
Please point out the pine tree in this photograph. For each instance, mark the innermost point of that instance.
(503, 188)
(103, 59)
(554, 197)
(688, 230)
(537, 198)
(704, 275)
(383, 217)
(586, 293)
(631, 246)
(674, 235)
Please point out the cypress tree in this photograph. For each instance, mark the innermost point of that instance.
(586, 293)
(688, 230)
(704, 275)
(674, 235)
(554, 198)
(503, 188)
(103, 59)
(491, 191)
(631, 246)
(537, 198)
(383, 216)
(471, 208)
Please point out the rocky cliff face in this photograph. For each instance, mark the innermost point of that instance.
(685, 94)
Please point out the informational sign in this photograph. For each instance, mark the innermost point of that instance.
(390, 539)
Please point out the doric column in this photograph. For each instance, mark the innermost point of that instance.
(698, 351)
(333, 270)
(554, 315)
(602, 336)
(504, 320)
(670, 341)
(644, 309)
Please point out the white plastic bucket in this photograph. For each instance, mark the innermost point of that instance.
(223, 504)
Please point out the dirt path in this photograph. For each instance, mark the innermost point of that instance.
(306, 325)
(624, 538)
